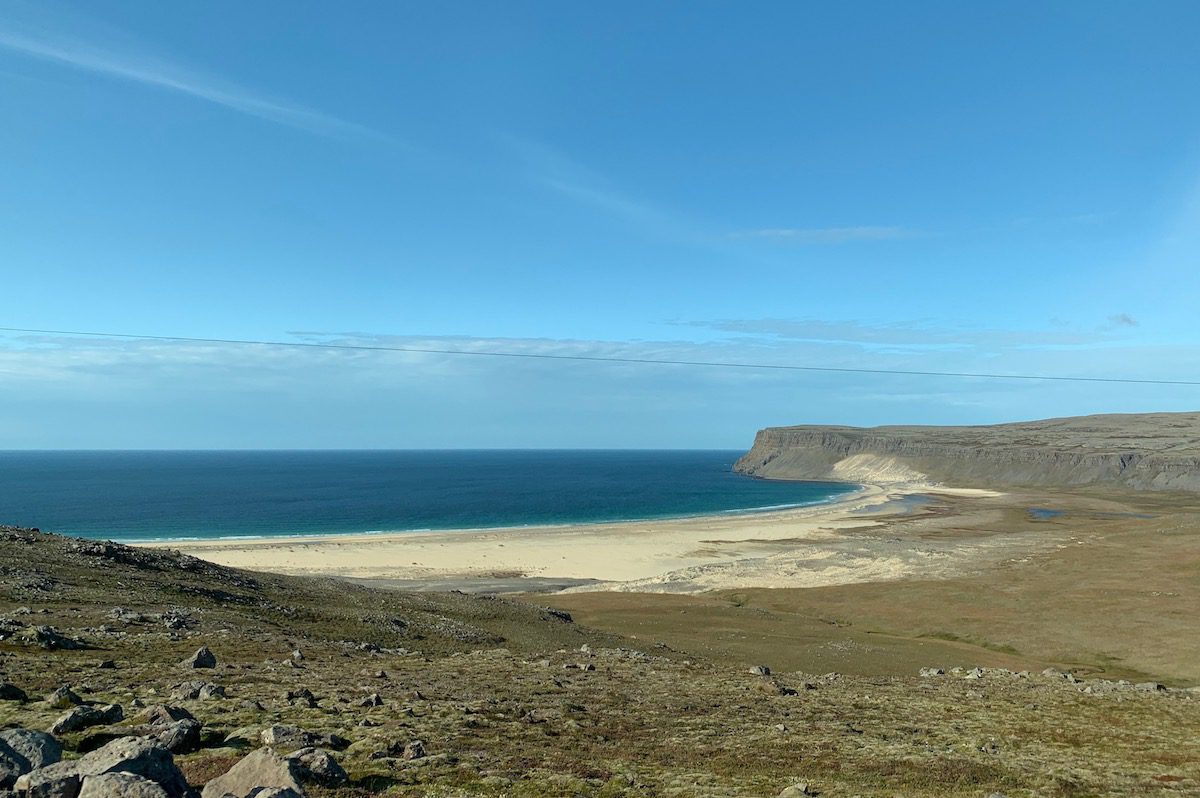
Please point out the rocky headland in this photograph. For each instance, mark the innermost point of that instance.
(1149, 451)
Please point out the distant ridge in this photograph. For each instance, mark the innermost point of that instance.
(1144, 451)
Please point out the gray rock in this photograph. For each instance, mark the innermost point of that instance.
(796, 791)
(1150, 687)
(415, 750)
(302, 697)
(203, 658)
(932, 672)
(12, 766)
(120, 785)
(318, 766)
(293, 737)
(134, 755)
(181, 737)
(85, 717)
(10, 692)
(193, 690)
(63, 698)
(162, 715)
(760, 670)
(255, 774)
(373, 700)
(38, 748)
(49, 638)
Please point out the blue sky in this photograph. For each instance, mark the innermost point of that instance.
(936, 186)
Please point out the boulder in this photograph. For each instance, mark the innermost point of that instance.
(37, 748)
(10, 692)
(797, 791)
(49, 638)
(293, 737)
(255, 774)
(203, 658)
(181, 737)
(85, 717)
(302, 697)
(12, 766)
(190, 691)
(133, 755)
(760, 670)
(318, 766)
(63, 698)
(120, 785)
(163, 715)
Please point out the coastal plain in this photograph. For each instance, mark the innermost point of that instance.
(881, 582)
(912, 639)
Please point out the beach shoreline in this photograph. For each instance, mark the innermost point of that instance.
(616, 555)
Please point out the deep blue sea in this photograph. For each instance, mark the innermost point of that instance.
(138, 496)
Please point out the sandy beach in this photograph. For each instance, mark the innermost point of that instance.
(829, 543)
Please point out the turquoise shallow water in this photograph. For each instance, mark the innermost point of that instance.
(135, 496)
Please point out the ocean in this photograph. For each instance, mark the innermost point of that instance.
(181, 495)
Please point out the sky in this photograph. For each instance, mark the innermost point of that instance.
(935, 186)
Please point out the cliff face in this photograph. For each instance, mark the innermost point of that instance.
(1151, 451)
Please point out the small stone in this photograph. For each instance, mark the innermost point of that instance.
(796, 791)
(373, 700)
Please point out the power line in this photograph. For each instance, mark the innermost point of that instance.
(602, 358)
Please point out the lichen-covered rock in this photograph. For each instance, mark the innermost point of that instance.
(181, 737)
(37, 748)
(293, 737)
(63, 698)
(133, 755)
(203, 658)
(254, 774)
(85, 717)
(318, 766)
(120, 785)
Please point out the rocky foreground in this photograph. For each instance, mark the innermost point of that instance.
(139, 673)
(1147, 451)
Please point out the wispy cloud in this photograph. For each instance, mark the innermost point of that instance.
(917, 335)
(831, 235)
(109, 53)
(552, 169)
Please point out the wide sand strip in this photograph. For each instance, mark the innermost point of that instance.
(610, 552)
(822, 544)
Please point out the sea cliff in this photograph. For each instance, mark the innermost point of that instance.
(1150, 451)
